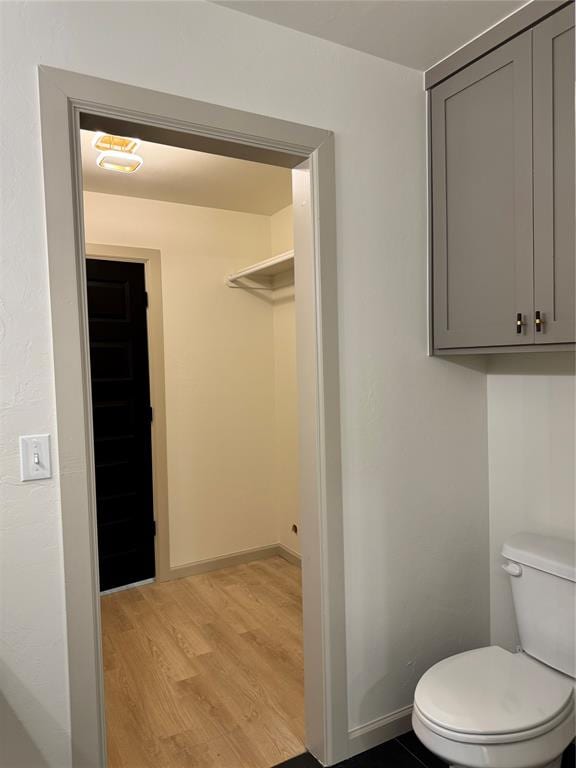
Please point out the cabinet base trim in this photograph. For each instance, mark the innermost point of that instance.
(497, 350)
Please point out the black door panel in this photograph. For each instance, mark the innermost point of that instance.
(111, 361)
(121, 414)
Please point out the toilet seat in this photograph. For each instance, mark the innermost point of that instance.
(492, 696)
(566, 713)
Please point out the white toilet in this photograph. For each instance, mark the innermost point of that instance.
(490, 708)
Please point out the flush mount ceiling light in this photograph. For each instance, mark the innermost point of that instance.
(106, 141)
(117, 152)
(121, 162)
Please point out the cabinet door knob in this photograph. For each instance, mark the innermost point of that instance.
(519, 322)
(538, 321)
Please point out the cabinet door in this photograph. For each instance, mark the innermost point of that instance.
(481, 124)
(554, 244)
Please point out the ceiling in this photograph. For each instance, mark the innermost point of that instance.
(416, 33)
(179, 175)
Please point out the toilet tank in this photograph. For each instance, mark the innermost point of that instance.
(542, 572)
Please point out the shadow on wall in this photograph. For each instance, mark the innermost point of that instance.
(17, 748)
(519, 363)
(534, 364)
(473, 362)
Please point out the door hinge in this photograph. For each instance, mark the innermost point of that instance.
(146, 299)
(154, 527)
(151, 414)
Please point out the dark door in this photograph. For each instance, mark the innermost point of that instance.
(122, 417)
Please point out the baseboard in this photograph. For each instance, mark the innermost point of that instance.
(369, 735)
(290, 555)
(225, 561)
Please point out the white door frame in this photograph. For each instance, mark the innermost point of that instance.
(64, 98)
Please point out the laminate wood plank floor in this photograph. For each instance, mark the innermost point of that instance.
(207, 671)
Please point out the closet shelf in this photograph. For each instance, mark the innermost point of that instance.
(265, 273)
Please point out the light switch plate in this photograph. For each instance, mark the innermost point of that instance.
(35, 463)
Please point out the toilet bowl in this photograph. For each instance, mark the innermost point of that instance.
(491, 708)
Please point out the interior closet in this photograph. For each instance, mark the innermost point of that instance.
(229, 365)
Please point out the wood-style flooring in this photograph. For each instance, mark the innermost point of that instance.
(207, 671)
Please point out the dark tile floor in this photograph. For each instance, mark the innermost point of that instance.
(404, 752)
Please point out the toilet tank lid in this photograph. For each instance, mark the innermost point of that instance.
(545, 553)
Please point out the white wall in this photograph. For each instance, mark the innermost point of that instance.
(413, 429)
(219, 370)
(531, 418)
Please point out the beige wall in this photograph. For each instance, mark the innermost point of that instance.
(285, 392)
(218, 346)
(230, 371)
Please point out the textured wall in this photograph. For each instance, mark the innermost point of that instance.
(413, 429)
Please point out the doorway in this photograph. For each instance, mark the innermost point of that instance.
(65, 99)
(218, 639)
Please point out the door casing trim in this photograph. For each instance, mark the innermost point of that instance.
(64, 97)
(151, 259)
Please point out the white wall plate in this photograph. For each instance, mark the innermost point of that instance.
(35, 463)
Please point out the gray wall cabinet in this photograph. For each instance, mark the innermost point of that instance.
(554, 244)
(502, 192)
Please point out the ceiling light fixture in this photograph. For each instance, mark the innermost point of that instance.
(107, 141)
(121, 162)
